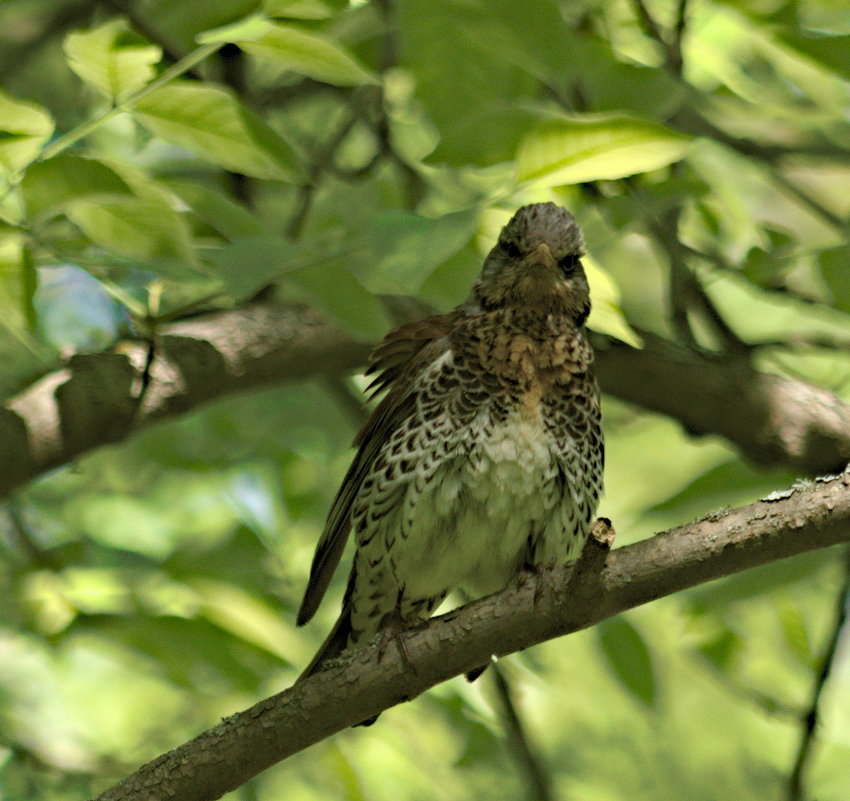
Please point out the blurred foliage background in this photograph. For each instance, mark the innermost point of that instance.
(160, 158)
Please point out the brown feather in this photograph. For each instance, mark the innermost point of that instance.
(400, 353)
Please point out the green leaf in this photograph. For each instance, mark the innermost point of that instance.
(449, 284)
(248, 618)
(404, 248)
(571, 150)
(24, 128)
(606, 315)
(721, 649)
(49, 185)
(102, 59)
(140, 229)
(251, 262)
(342, 297)
(211, 122)
(302, 52)
(243, 30)
(476, 99)
(226, 216)
(830, 51)
(628, 657)
(795, 633)
(297, 9)
(835, 269)
(17, 285)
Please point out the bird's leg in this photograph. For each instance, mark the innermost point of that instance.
(545, 584)
(538, 572)
(393, 629)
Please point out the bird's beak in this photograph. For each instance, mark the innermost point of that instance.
(541, 256)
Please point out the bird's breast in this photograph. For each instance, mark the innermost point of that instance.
(527, 352)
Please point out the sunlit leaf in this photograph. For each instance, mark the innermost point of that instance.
(17, 285)
(24, 128)
(295, 49)
(243, 30)
(128, 524)
(606, 315)
(21, 350)
(211, 122)
(297, 9)
(106, 62)
(628, 656)
(570, 150)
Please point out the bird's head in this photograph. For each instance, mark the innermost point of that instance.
(536, 263)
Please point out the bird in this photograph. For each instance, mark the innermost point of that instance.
(484, 458)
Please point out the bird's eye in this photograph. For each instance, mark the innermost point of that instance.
(569, 262)
(511, 248)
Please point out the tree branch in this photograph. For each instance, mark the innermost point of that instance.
(566, 599)
(93, 401)
(774, 420)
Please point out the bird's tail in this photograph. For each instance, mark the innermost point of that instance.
(335, 643)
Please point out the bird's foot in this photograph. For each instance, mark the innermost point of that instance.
(394, 630)
(541, 575)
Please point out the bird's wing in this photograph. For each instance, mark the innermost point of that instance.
(399, 348)
(401, 356)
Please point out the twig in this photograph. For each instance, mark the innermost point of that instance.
(675, 52)
(672, 49)
(686, 290)
(810, 718)
(537, 776)
(233, 74)
(322, 163)
(649, 25)
(73, 136)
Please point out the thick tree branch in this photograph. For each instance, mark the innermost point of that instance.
(555, 603)
(774, 420)
(93, 400)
